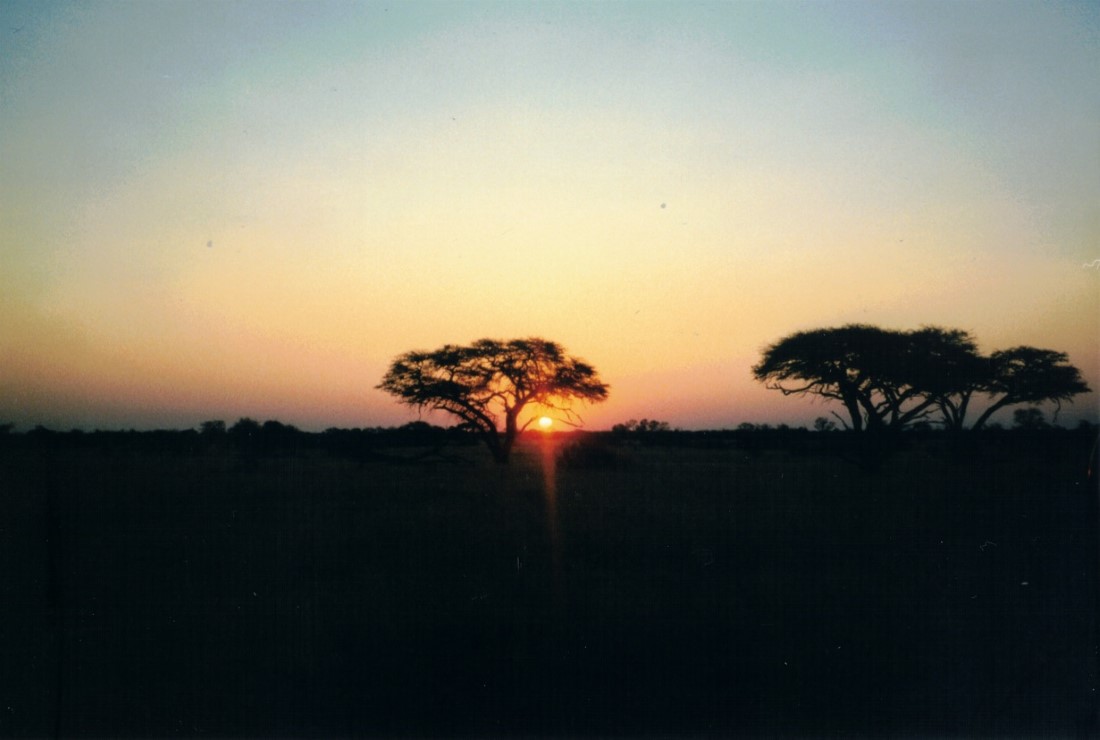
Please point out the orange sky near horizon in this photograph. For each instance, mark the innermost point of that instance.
(213, 211)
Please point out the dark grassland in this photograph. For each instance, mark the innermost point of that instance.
(731, 588)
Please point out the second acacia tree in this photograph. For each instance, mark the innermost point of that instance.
(884, 378)
(489, 384)
(888, 379)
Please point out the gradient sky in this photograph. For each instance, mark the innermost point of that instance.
(219, 209)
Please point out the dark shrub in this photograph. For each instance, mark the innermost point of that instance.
(590, 452)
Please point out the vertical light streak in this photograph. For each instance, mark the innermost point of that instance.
(548, 448)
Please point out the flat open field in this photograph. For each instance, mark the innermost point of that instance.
(628, 590)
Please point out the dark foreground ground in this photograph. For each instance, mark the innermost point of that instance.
(636, 591)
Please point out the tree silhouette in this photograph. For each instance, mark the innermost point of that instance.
(946, 369)
(212, 428)
(492, 381)
(883, 378)
(645, 426)
(1029, 375)
(891, 379)
(245, 428)
(1030, 419)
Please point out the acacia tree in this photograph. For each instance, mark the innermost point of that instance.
(822, 362)
(946, 369)
(928, 369)
(885, 379)
(489, 383)
(1029, 375)
(888, 379)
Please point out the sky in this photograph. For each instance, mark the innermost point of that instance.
(211, 210)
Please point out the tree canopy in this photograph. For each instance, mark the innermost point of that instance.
(889, 379)
(489, 383)
(1029, 375)
(881, 377)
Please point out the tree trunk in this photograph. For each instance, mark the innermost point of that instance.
(954, 412)
(874, 419)
(511, 430)
(500, 450)
(850, 403)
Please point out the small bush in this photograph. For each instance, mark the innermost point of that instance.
(590, 453)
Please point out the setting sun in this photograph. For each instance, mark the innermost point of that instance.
(545, 422)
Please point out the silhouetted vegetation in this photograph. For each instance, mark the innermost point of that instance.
(590, 452)
(1029, 375)
(489, 384)
(212, 429)
(1030, 419)
(254, 579)
(888, 380)
(639, 428)
(253, 440)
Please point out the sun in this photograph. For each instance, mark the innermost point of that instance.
(545, 422)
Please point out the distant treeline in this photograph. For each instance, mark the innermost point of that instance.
(253, 438)
(246, 436)
(757, 438)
